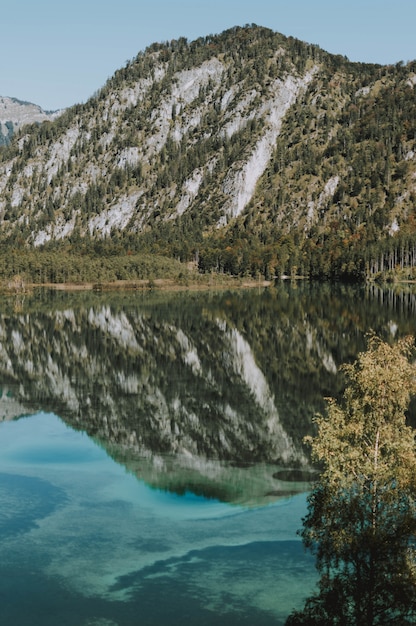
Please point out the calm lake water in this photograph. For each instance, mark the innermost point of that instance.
(151, 461)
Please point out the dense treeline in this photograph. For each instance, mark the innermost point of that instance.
(165, 251)
(84, 265)
(333, 255)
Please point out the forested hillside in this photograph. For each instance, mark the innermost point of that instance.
(247, 152)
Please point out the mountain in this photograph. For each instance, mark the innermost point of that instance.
(247, 152)
(14, 114)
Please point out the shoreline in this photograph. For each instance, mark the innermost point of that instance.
(203, 282)
(157, 284)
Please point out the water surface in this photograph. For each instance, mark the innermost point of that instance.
(83, 541)
(152, 469)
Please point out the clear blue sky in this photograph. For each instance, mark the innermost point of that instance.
(56, 53)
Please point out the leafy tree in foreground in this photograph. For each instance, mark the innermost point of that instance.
(361, 520)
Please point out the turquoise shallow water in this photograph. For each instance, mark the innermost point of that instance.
(83, 542)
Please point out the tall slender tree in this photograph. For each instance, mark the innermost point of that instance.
(361, 520)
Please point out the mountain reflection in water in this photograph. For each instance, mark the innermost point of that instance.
(205, 392)
(175, 469)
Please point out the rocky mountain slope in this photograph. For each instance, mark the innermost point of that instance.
(248, 152)
(14, 114)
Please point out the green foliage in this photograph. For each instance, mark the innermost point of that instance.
(361, 520)
(98, 263)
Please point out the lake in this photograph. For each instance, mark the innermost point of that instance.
(152, 469)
